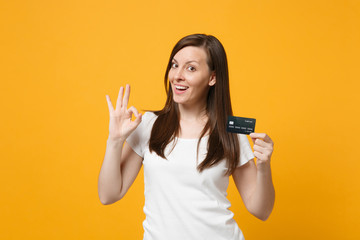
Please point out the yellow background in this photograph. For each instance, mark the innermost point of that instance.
(294, 66)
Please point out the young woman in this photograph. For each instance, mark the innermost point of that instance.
(186, 151)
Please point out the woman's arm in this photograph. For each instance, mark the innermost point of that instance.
(121, 165)
(117, 173)
(254, 182)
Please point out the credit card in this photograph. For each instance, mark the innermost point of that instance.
(240, 125)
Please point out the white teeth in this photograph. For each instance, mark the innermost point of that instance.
(181, 87)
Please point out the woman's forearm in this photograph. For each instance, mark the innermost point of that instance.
(263, 198)
(110, 181)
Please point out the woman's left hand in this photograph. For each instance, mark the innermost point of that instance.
(263, 147)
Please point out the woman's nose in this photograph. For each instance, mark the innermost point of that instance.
(179, 74)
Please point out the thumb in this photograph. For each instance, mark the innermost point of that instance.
(252, 138)
(138, 119)
(134, 124)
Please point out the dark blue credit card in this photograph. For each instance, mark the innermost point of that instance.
(240, 125)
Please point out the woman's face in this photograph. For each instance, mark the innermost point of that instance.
(190, 77)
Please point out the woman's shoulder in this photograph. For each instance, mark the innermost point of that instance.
(148, 117)
(143, 130)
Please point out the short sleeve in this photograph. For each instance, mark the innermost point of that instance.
(246, 153)
(139, 138)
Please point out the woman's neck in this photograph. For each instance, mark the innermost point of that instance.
(192, 121)
(193, 113)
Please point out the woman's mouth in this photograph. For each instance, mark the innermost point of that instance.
(180, 89)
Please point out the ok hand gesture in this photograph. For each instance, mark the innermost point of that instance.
(121, 126)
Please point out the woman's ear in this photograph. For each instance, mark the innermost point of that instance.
(212, 80)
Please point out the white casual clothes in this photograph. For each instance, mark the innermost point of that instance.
(180, 202)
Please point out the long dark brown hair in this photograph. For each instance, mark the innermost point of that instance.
(221, 144)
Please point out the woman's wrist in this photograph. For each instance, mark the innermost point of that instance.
(117, 142)
(263, 166)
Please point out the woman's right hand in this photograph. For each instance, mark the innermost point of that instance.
(121, 126)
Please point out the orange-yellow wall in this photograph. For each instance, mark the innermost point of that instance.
(294, 66)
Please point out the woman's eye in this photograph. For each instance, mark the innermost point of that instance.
(191, 68)
(173, 65)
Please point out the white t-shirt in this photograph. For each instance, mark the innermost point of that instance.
(180, 202)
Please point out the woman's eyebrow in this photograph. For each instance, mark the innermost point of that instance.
(187, 61)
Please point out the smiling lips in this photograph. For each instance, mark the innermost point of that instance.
(180, 89)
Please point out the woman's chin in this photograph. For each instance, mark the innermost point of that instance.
(178, 100)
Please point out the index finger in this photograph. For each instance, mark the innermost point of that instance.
(263, 136)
